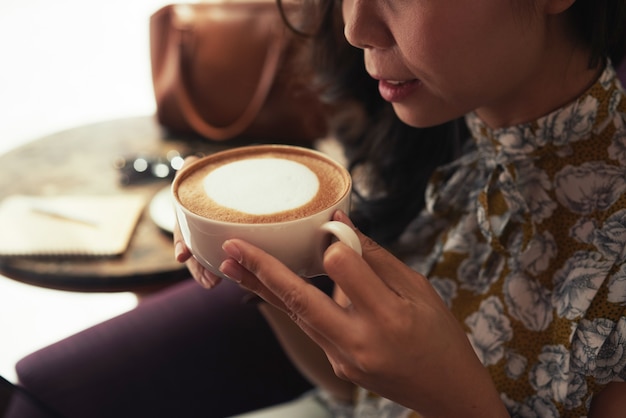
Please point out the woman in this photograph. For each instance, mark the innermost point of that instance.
(509, 297)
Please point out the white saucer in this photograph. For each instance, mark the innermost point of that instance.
(162, 210)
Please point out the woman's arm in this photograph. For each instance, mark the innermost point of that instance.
(307, 356)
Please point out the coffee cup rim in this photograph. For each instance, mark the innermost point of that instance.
(225, 153)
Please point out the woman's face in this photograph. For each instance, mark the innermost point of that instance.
(438, 59)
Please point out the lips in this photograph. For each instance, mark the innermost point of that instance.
(395, 83)
(397, 90)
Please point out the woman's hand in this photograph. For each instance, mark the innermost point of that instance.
(394, 336)
(183, 255)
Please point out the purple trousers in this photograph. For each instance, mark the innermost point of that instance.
(184, 352)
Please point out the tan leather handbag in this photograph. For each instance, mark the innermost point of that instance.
(232, 69)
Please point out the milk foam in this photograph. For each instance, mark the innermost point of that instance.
(262, 186)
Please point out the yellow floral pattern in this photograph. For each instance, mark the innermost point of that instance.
(526, 235)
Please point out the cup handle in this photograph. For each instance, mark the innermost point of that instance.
(344, 234)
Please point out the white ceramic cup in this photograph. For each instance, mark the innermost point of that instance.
(298, 243)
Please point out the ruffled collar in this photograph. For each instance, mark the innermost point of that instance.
(493, 181)
(561, 127)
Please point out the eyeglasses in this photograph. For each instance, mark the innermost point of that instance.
(305, 17)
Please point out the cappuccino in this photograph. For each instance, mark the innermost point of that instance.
(266, 184)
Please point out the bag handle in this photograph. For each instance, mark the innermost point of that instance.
(266, 80)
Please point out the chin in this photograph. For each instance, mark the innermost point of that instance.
(423, 118)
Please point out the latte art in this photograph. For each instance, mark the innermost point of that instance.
(262, 186)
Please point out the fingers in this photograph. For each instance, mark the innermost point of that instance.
(360, 284)
(239, 274)
(263, 274)
(181, 252)
(203, 276)
(367, 278)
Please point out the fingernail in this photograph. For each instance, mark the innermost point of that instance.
(179, 249)
(232, 250)
(341, 216)
(208, 279)
(232, 270)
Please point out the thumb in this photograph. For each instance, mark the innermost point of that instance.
(387, 266)
(373, 253)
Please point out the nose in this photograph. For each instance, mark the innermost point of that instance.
(364, 25)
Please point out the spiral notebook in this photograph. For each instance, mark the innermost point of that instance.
(68, 225)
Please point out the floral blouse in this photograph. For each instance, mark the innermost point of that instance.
(526, 239)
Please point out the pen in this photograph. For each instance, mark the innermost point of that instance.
(63, 214)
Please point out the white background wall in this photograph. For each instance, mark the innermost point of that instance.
(65, 63)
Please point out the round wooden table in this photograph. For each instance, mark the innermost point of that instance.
(81, 161)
